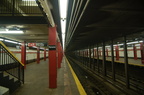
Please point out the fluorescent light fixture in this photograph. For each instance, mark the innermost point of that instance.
(11, 41)
(1, 39)
(63, 8)
(63, 15)
(11, 32)
(141, 41)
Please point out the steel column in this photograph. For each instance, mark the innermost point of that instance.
(87, 58)
(107, 53)
(142, 52)
(104, 59)
(45, 54)
(135, 51)
(117, 52)
(90, 56)
(112, 61)
(23, 54)
(52, 58)
(93, 59)
(126, 63)
(38, 55)
(98, 59)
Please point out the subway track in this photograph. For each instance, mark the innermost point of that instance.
(96, 83)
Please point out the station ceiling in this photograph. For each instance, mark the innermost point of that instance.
(97, 21)
(28, 16)
(88, 21)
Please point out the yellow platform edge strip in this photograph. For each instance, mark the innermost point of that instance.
(10, 52)
(79, 85)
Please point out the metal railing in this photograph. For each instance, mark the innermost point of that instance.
(10, 64)
(19, 8)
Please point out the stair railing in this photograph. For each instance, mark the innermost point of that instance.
(10, 64)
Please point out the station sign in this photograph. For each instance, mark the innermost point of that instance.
(35, 44)
(31, 44)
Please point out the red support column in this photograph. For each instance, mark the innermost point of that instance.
(45, 54)
(23, 54)
(38, 55)
(117, 52)
(52, 58)
(135, 52)
(142, 52)
(107, 53)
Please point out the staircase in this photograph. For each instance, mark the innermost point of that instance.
(11, 70)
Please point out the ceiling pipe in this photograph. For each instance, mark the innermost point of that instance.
(74, 15)
(74, 22)
(78, 21)
(44, 4)
(68, 33)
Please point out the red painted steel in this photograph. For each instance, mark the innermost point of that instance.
(45, 54)
(52, 58)
(23, 54)
(38, 55)
(135, 52)
(117, 52)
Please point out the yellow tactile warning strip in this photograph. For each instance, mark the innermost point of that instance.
(10, 52)
(79, 86)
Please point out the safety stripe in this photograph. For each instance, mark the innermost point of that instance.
(79, 85)
(11, 53)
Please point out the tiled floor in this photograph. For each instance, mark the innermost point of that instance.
(36, 81)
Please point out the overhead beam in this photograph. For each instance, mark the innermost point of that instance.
(22, 20)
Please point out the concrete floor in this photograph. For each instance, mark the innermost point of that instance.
(36, 81)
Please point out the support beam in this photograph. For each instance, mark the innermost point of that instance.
(98, 59)
(45, 54)
(90, 56)
(117, 52)
(93, 58)
(126, 63)
(23, 54)
(113, 63)
(104, 59)
(142, 52)
(135, 52)
(52, 58)
(38, 55)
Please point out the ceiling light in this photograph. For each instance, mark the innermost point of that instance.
(13, 31)
(63, 15)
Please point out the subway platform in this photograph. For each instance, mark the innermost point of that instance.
(37, 81)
